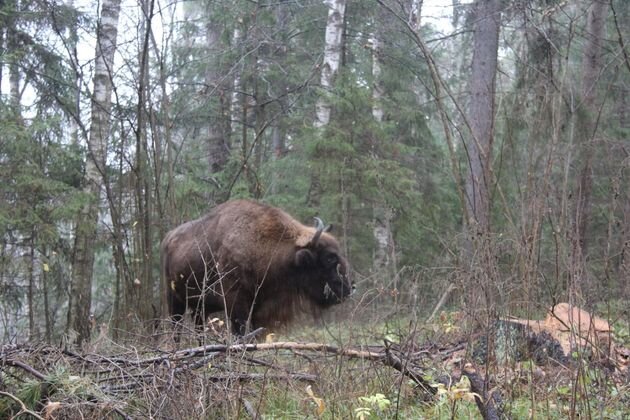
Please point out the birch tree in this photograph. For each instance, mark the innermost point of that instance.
(237, 88)
(12, 41)
(332, 58)
(87, 219)
(415, 17)
(382, 230)
(329, 68)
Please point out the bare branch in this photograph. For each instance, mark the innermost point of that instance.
(23, 408)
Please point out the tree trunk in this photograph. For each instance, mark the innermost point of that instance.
(85, 230)
(32, 333)
(163, 158)
(144, 251)
(123, 273)
(75, 108)
(332, 58)
(587, 125)
(13, 48)
(218, 147)
(481, 114)
(382, 215)
(45, 280)
(329, 68)
(624, 264)
(415, 17)
(477, 256)
(279, 126)
(261, 125)
(2, 47)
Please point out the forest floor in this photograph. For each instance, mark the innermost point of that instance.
(379, 368)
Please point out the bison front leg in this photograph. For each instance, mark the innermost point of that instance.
(200, 321)
(239, 322)
(177, 311)
(239, 316)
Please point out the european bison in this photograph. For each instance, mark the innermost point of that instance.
(253, 261)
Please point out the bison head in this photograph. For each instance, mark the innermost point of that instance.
(323, 270)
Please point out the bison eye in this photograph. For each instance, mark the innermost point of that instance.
(331, 259)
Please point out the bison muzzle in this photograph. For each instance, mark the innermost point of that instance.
(254, 262)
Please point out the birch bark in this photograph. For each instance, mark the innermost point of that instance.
(85, 230)
(332, 58)
(382, 216)
(330, 67)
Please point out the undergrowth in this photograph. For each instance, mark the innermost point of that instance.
(292, 384)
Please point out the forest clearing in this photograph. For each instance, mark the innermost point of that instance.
(315, 209)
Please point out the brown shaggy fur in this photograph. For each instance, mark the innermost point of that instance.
(253, 261)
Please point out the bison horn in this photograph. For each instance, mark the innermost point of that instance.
(319, 225)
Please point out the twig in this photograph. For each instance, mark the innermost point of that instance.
(23, 408)
(620, 37)
(135, 372)
(448, 291)
(122, 414)
(253, 334)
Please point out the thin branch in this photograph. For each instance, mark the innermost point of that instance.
(622, 44)
(437, 86)
(23, 408)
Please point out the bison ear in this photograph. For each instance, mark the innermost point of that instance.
(328, 228)
(304, 258)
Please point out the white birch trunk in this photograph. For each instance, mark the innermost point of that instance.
(83, 260)
(377, 86)
(382, 216)
(236, 100)
(14, 69)
(414, 17)
(332, 58)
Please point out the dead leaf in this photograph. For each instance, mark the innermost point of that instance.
(321, 406)
(50, 408)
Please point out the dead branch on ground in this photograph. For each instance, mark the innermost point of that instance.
(129, 372)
